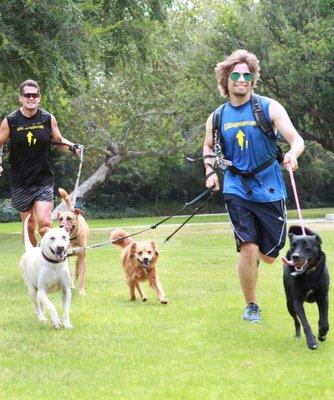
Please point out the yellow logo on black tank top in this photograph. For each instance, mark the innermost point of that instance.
(30, 138)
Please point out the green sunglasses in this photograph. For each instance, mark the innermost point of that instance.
(248, 77)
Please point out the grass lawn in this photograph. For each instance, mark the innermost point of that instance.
(196, 347)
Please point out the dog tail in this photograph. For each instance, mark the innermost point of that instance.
(27, 244)
(120, 238)
(64, 195)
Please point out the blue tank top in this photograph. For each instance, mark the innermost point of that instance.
(247, 147)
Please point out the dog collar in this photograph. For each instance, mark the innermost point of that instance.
(309, 271)
(51, 260)
(306, 271)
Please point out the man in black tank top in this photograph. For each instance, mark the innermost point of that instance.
(30, 130)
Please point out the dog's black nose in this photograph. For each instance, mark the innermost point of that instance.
(295, 257)
(60, 249)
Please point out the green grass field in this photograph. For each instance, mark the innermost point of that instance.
(196, 347)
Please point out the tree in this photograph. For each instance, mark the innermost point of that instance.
(294, 42)
(65, 44)
(43, 40)
(70, 46)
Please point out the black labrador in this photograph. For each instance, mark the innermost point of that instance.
(306, 278)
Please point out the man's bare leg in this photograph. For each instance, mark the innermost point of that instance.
(248, 271)
(43, 210)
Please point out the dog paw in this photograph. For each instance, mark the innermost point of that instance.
(82, 292)
(56, 323)
(322, 338)
(68, 325)
(164, 301)
(144, 299)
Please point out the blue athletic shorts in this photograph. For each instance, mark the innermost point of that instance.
(261, 223)
(23, 199)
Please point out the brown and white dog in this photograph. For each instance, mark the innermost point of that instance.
(75, 224)
(139, 262)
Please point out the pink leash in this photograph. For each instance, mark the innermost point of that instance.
(294, 188)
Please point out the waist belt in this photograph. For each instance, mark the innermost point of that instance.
(245, 175)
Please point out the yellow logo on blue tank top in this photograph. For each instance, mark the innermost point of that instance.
(241, 139)
(230, 125)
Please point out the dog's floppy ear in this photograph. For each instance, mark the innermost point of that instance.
(317, 238)
(79, 211)
(133, 249)
(44, 230)
(154, 246)
(291, 237)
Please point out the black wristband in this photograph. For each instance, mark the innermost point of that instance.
(209, 174)
(74, 147)
(0, 164)
(208, 165)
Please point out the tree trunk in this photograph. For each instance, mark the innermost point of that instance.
(116, 154)
(93, 182)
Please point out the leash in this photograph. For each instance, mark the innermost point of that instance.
(294, 189)
(73, 148)
(190, 216)
(74, 250)
(75, 192)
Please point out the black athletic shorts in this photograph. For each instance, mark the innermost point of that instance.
(23, 199)
(261, 223)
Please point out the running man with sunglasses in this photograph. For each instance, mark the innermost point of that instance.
(256, 209)
(30, 131)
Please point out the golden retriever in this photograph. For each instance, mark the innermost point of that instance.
(75, 224)
(139, 262)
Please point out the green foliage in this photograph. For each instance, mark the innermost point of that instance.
(7, 212)
(63, 45)
(295, 46)
(42, 40)
(314, 178)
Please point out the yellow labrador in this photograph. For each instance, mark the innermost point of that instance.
(75, 224)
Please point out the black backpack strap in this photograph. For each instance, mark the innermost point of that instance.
(261, 120)
(265, 125)
(216, 121)
(244, 176)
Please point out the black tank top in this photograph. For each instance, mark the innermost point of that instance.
(29, 149)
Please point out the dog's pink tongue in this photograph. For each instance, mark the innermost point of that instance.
(286, 261)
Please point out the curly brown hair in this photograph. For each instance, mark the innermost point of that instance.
(224, 68)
